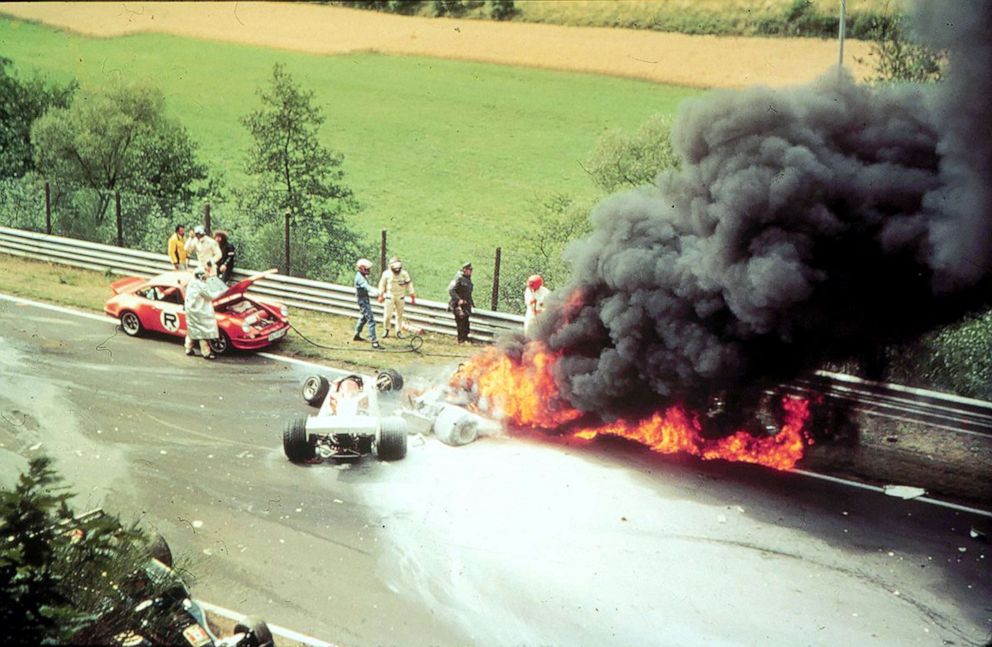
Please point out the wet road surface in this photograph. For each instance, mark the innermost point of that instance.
(503, 542)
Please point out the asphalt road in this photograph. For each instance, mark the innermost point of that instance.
(503, 542)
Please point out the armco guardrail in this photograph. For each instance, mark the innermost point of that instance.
(334, 299)
(937, 409)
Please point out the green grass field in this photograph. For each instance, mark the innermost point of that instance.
(449, 157)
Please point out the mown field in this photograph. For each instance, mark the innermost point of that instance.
(449, 157)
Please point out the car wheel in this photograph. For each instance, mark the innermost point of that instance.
(158, 548)
(388, 380)
(130, 324)
(258, 632)
(294, 440)
(391, 444)
(456, 427)
(315, 389)
(220, 345)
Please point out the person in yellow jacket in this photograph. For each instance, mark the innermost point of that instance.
(394, 285)
(177, 248)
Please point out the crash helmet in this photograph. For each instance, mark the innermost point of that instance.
(363, 265)
(535, 282)
(200, 273)
(466, 266)
(200, 230)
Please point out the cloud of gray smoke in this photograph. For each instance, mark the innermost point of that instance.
(805, 224)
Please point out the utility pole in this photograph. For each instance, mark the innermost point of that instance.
(841, 29)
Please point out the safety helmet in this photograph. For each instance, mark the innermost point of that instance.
(535, 282)
(363, 264)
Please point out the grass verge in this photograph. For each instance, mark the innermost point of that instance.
(88, 290)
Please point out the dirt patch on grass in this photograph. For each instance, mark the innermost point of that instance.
(695, 61)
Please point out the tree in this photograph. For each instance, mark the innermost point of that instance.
(626, 161)
(560, 220)
(21, 103)
(294, 173)
(118, 139)
(897, 58)
(66, 579)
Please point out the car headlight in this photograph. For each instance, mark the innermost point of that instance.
(284, 310)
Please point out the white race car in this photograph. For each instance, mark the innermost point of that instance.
(349, 423)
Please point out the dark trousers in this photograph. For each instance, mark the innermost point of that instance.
(365, 307)
(462, 323)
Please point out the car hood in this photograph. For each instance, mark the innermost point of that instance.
(239, 288)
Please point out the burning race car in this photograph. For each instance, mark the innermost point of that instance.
(349, 423)
(450, 411)
(156, 304)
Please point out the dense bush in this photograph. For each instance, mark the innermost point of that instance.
(624, 161)
(495, 9)
(21, 103)
(779, 18)
(956, 358)
(66, 579)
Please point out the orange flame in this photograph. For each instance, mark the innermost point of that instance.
(526, 395)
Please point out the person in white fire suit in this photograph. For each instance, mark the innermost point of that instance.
(206, 249)
(394, 285)
(535, 295)
(201, 320)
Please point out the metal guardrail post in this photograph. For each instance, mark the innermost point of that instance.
(289, 270)
(382, 252)
(120, 220)
(495, 301)
(48, 209)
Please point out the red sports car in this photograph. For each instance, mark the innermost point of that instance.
(156, 304)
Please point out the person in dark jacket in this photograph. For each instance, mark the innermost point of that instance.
(460, 303)
(364, 290)
(225, 266)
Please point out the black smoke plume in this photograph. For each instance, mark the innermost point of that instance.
(805, 224)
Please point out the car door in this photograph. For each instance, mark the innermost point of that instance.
(166, 309)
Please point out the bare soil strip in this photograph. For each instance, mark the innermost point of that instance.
(695, 61)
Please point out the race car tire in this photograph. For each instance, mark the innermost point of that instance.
(391, 444)
(388, 380)
(456, 427)
(158, 548)
(258, 631)
(294, 440)
(220, 345)
(315, 389)
(130, 324)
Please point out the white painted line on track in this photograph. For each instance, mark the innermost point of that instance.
(875, 488)
(293, 360)
(54, 308)
(276, 629)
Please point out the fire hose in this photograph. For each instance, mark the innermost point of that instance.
(413, 346)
